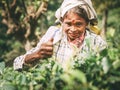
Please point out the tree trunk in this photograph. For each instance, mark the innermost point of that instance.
(104, 24)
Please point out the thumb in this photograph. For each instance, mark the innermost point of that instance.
(51, 40)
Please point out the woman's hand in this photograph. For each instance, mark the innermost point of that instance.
(46, 49)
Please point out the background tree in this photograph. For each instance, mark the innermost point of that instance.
(22, 23)
(103, 8)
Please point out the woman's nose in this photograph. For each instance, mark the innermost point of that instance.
(73, 28)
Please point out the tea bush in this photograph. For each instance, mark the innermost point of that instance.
(100, 72)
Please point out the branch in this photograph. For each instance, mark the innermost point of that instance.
(24, 6)
(13, 3)
(41, 9)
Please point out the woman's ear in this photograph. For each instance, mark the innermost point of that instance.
(87, 23)
(61, 19)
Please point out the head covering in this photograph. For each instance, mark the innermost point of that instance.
(69, 4)
(86, 5)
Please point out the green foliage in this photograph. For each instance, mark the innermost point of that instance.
(100, 72)
(2, 66)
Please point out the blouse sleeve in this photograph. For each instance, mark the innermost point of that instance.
(19, 61)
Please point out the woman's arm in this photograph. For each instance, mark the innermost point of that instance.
(44, 49)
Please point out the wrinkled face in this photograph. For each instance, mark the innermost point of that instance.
(73, 25)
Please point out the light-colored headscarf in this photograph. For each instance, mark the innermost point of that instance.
(86, 5)
(68, 4)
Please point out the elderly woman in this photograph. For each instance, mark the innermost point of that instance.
(73, 39)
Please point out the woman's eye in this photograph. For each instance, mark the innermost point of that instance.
(68, 23)
(78, 24)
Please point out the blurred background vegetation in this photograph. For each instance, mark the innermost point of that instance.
(23, 22)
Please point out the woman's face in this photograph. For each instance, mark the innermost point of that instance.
(73, 25)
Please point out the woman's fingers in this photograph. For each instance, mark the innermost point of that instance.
(46, 49)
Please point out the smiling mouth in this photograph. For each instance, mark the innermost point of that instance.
(73, 34)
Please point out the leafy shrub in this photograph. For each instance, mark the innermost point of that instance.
(100, 72)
